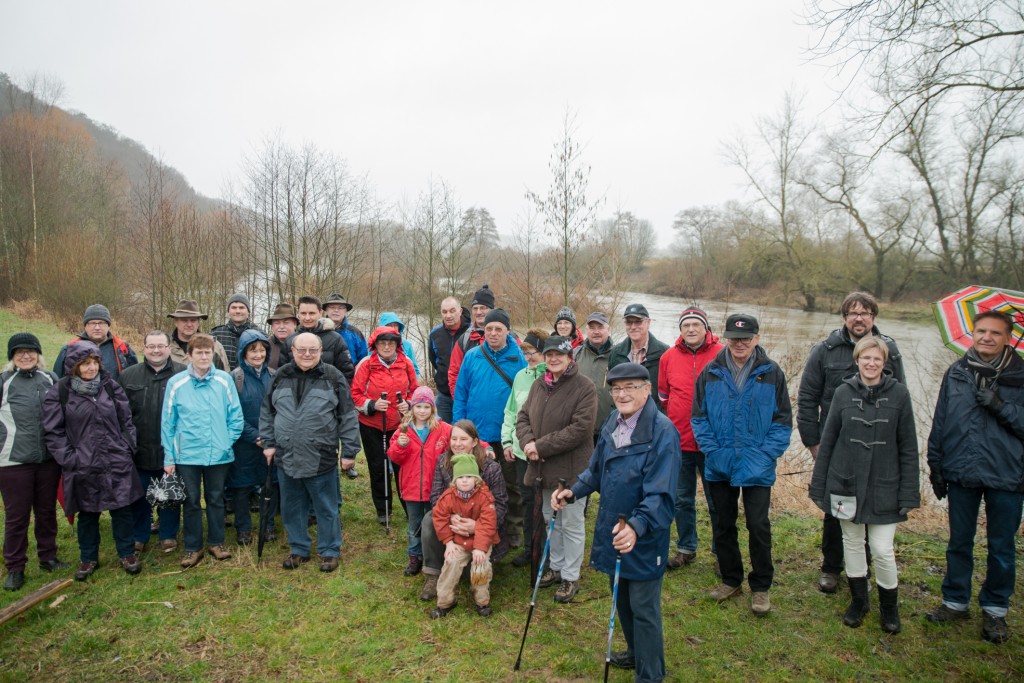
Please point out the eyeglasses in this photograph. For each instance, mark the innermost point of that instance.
(635, 322)
(156, 347)
(306, 352)
(24, 352)
(853, 315)
(529, 354)
(741, 341)
(626, 389)
(96, 323)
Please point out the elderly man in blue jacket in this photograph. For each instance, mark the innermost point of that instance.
(635, 467)
(742, 421)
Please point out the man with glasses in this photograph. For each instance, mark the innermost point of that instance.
(639, 346)
(145, 384)
(742, 422)
(830, 362)
(186, 319)
(115, 354)
(307, 412)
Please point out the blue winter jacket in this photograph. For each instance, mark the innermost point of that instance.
(202, 418)
(483, 395)
(250, 466)
(387, 318)
(742, 431)
(638, 481)
(356, 344)
(969, 445)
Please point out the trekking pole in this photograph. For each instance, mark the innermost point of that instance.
(387, 472)
(615, 600)
(536, 585)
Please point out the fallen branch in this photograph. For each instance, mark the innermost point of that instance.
(32, 599)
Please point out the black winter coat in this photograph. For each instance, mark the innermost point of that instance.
(145, 388)
(869, 450)
(655, 349)
(335, 350)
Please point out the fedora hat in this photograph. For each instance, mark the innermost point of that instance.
(283, 311)
(337, 299)
(188, 309)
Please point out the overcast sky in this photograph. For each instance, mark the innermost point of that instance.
(473, 93)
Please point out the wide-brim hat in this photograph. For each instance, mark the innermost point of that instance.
(283, 311)
(337, 299)
(188, 309)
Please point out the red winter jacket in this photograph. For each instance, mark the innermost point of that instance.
(417, 460)
(479, 507)
(372, 378)
(677, 375)
(474, 336)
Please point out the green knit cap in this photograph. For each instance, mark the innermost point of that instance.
(464, 465)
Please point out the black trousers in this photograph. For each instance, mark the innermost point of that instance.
(376, 461)
(756, 501)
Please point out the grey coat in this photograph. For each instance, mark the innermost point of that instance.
(869, 450)
(21, 416)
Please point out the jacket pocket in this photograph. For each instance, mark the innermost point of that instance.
(886, 496)
(843, 507)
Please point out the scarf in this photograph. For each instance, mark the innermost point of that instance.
(740, 374)
(83, 388)
(986, 373)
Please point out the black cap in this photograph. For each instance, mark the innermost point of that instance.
(597, 317)
(636, 311)
(498, 315)
(740, 326)
(628, 371)
(23, 340)
(558, 343)
(483, 296)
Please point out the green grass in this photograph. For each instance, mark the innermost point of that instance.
(50, 335)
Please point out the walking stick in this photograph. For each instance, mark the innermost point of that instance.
(536, 584)
(615, 600)
(538, 529)
(387, 474)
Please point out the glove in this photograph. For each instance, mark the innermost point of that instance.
(990, 400)
(939, 486)
(904, 511)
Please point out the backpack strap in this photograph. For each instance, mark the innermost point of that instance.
(236, 374)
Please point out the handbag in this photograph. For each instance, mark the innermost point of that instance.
(167, 491)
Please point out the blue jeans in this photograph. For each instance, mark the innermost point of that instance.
(243, 518)
(169, 517)
(296, 495)
(639, 612)
(416, 511)
(206, 481)
(89, 533)
(1003, 511)
(686, 502)
(444, 406)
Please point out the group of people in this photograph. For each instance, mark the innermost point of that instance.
(515, 424)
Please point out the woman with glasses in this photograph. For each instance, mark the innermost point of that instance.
(28, 473)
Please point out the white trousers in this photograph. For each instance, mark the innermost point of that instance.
(883, 557)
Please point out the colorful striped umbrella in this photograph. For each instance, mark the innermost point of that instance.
(954, 314)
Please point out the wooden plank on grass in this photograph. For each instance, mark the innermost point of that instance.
(32, 599)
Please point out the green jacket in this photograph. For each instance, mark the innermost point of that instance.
(521, 384)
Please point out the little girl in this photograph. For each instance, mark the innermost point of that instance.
(420, 439)
(469, 498)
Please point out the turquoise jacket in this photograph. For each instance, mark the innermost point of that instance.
(202, 419)
(388, 318)
(521, 384)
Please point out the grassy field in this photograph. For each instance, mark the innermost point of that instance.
(239, 621)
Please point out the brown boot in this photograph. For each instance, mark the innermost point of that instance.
(429, 591)
(220, 552)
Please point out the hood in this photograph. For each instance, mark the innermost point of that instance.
(709, 339)
(388, 317)
(78, 352)
(467, 318)
(383, 330)
(247, 338)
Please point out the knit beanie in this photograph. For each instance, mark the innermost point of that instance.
(565, 313)
(694, 313)
(464, 465)
(498, 315)
(422, 395)
(484, 296)
(97, 312)
(23, 340)
(239, 298)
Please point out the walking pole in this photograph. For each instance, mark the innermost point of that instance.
(536, 585)
(387, 474)
(538, 529)
(615, 600)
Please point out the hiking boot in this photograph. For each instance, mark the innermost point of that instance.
(168, 545)
(191, 558)
(994, 629)
(888, 605)
(140, 547)
(53, 565)
(131, 564)
(828, 582)
(244, 538)
(724, 591)
(681, 559)
(439, 612)
(859, 603)
(14, 580)
(429, 591)
(522, 559)
(483, 610)
(85, 570)
(415, 565)
(623, 660)
(943, 614)
(219, 552)
(550, 577)
(567, 591)
(270, 536)
(294, 561)
(760, 603)
(328, 564)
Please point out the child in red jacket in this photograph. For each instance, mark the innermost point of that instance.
(468, 497)
(420, 439)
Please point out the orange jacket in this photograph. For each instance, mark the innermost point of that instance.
(479, 507)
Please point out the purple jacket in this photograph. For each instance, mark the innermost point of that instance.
(93, 440)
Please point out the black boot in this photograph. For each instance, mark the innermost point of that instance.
(859, 605)
(888, 604)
